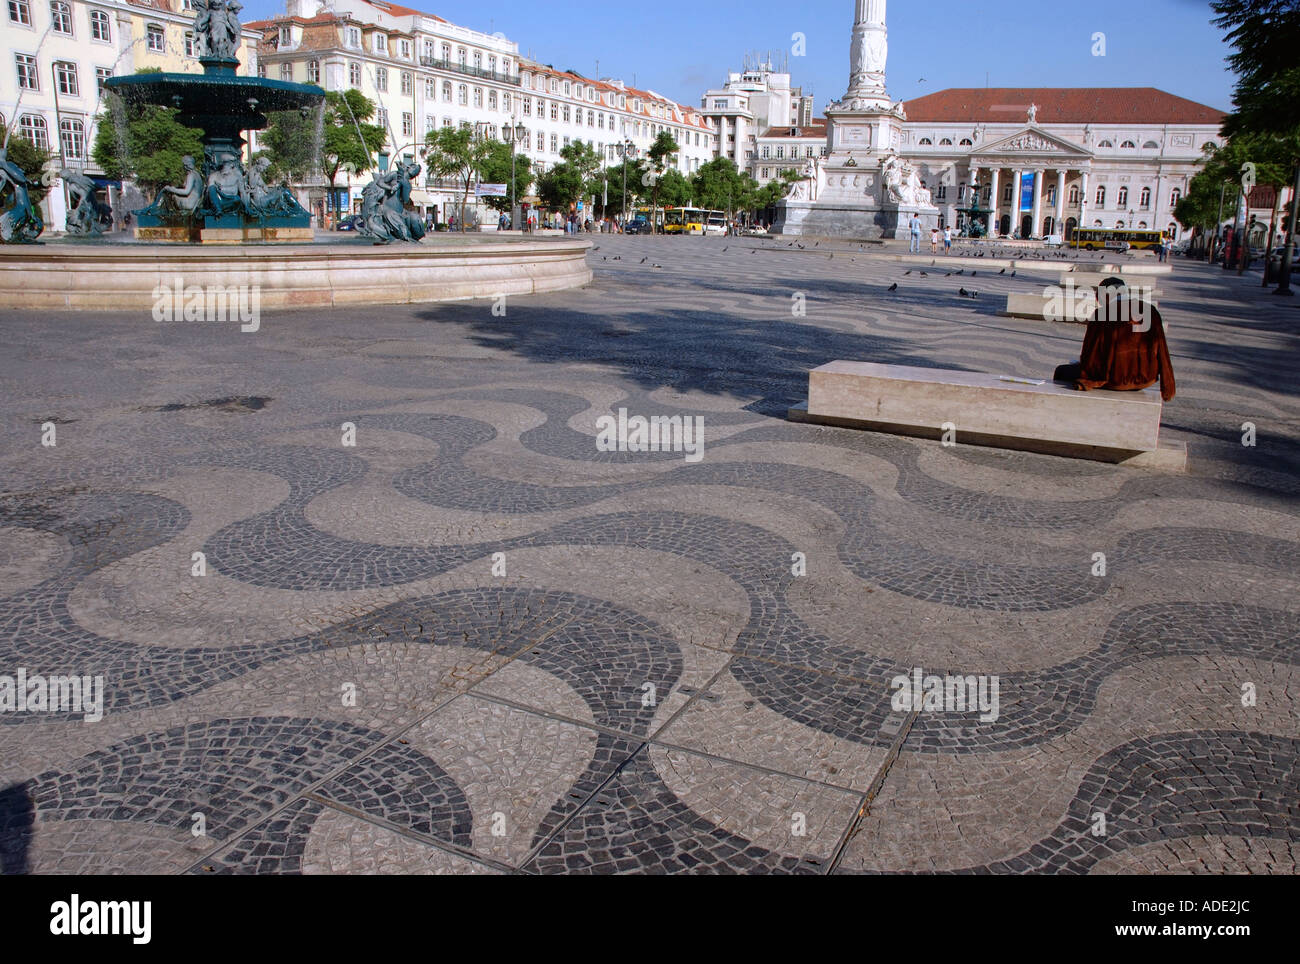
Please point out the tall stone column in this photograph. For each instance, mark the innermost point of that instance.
(1036, 226)
(1016, 176)
(1058, 226)
(868, 51)
(994, 203)
(1083, 201)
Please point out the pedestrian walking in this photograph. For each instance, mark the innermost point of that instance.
(947, 240)
(934, 240)
(914, 247)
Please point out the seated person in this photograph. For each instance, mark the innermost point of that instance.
(1124, 347)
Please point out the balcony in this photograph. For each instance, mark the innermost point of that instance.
(458, 68)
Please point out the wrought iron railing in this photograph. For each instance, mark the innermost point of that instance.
(459, 68)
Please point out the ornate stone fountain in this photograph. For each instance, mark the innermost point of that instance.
(220, 201)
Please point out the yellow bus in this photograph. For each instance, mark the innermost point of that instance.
(1115, 239)
(694, 221)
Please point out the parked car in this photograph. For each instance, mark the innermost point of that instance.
(637, 226)
(348, 223)
(1276, 256)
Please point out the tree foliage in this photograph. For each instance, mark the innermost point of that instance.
(664, 146)
(289, 143)
(1265, 35)
(495, 169)
(150, 148)
(30, 158)
(456, 153)
(349, 141)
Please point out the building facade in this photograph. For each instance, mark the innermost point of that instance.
(780, 149)
(60, 54)
(752, 102)
(1047, 160)
(424, 73)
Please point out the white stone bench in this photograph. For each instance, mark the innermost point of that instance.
(1070, 302)
(979, 409)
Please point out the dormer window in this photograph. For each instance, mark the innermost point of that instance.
(405, 49)
(286, 36)
(354, 36)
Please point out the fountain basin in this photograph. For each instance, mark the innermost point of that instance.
(129, 277)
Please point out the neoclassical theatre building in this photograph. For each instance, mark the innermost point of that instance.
(1048, 160)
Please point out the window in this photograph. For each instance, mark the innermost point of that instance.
(478, 60)
(600, 120)
(1150, 146)
(446, 122)
(261, 70)
(286, 71)
(1175, 196)
(555, 144)
(462, 95)
(72, 138)
(566, 113)
(1006, 194)
(20, 12)
(1074, 194)
(780, 150)
(1145, 201)
(478, 96)
(555, 111)
(1119, 224)
(446, 91)
(102, 74)
(154, 38)
(381, 43)
(964, 142)
(66, 75)
(1106, 144)
(506, 101)
(382, 117)
(567, 90)
(32, 128)
(1129, 145)
(461, 55)
(566, 141)
(354, 73)
(408, 124)
(925, 142)
(99, 26)
(1101, 195)
(591, 118)
(28, 77)
(381, 78)
(492, 100)
(313, 71)
(1051, 195)
(765, 173)
(1097, 223)
(354, 37)
(808, 151)
(408, 82)
(1122, 200)
(943, 192)
(191, 50)
(1172, 231)
(430, 122)
(492, 63)
(541, 141)
(286, 36)
(446, 52)
(405, 48)
(60, 17)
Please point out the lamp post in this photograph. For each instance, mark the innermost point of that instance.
(1284, 282)
(513, 132)
(629, 151)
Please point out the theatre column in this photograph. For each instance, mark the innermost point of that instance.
(1016, 177)
(1083, 200)
(1058, 221)
(993, 204)
(1036, 225)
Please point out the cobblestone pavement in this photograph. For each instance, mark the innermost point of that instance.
(474, 643)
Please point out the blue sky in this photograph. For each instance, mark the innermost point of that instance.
(681, 47)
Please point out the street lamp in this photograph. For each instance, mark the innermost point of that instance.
(629, 151)
(513, 133)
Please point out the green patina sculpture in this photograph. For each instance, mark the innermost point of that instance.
(384, 216)
(21, 223)
(87, 215)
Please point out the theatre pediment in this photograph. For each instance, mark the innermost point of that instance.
(1034, 142)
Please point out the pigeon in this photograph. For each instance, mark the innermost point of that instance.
(596, 248)
(1003, 271)
(947, 274)
(924, 275)
(972, 274)
(645, 259)
(815, 243)
(894, 286)
(604, 257)
(656, 266)
(1013, 274)
(963, 292)
(931, 262)
(724, 249)
(961, 270)
(908, 271)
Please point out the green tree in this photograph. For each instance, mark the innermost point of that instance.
(674, 190)
(773, 191)
(289, 143)
(456, 153)
(349, 142)
(560, 186)
(634, 171)
(658, 156)
(495, 169)
(30, 158)
(151, 146)
(720, 186)
(1265, 35)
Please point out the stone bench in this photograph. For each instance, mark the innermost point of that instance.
(1070, 301)
(974, 408)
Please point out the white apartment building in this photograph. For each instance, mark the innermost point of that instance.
(783, 148)
(424, 73)
(59, 54)
(750, 103)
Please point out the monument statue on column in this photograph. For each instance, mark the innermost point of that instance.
(863, 189)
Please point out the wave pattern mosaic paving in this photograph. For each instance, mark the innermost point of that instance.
(475, 641)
